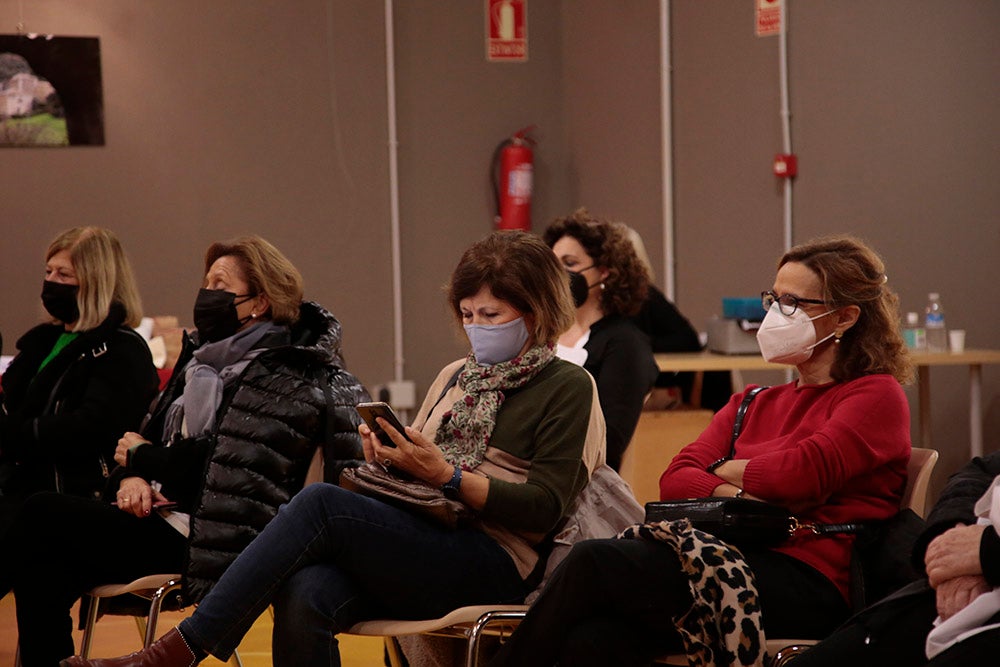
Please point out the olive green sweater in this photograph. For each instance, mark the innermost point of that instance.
(549, 433)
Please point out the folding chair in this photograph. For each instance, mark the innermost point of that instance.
(160, 589)
(471, 623)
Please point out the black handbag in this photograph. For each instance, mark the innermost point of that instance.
(739, 521)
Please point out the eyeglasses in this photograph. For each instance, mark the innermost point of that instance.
(787, 303)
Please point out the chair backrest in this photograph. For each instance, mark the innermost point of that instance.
(918, 478)
(658, 437)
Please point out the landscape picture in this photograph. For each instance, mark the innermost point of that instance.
(50, 91)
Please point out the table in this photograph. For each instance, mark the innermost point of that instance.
(974, 359)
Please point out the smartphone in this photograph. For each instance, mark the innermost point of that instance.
(369, 411)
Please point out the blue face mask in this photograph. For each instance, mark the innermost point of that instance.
(494, 343)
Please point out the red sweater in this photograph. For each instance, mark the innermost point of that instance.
(833, 453)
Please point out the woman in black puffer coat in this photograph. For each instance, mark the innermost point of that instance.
(78, 382)
(229, 441)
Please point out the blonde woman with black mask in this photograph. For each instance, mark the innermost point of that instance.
(79, 380)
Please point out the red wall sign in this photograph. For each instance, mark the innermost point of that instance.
(507, 30)
(768, 17)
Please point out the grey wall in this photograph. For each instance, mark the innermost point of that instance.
(234, 116)
(454, 108)
(222, 118)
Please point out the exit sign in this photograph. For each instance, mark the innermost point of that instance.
(507, 30)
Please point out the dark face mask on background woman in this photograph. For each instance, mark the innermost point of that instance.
(60, 300)
(578, 287)
(215, 315)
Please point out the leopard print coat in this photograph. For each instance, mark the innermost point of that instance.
(723, 626)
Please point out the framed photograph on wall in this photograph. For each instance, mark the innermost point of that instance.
(50, 91)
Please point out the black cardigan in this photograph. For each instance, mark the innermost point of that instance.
(621, 360)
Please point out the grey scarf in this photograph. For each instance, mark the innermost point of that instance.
(214, 367)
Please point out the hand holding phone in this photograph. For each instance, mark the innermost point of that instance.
(369, 412)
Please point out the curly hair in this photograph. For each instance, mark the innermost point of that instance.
(610, 248)
(851, 273)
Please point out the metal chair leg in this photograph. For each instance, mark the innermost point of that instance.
(140, 625)
(155, 605)
(475, 633)
(393, 652)
(787, 654)
(88, 628)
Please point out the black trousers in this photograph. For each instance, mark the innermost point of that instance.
(60, 546)
(611, 602)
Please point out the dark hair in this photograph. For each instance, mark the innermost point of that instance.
(520, 269)
(851, 273)
(610, 247)
(267, 271)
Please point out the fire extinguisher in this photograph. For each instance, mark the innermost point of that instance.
(512, 177)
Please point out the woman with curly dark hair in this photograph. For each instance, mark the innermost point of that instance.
(609, 284)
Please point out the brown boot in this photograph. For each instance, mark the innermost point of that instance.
(170, 650)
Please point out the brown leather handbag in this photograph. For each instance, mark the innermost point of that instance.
(413, 495)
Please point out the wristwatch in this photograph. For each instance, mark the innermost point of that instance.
(451, 487)
(739, 493)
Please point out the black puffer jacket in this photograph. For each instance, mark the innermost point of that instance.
(62, 423)
(289, 399)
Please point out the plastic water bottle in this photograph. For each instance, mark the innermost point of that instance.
(913, 334)
(937, 334)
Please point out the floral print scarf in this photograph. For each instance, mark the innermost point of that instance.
(466, 428)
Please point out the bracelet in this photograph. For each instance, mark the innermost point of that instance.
(716, 464)
(452, 486)
(739, 493)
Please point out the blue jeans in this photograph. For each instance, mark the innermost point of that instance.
(332, 558)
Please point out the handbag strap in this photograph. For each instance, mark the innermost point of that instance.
(816, 528)
(832, 528)
(741, 413)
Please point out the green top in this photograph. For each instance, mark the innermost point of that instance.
(64, 339)
(546, 423)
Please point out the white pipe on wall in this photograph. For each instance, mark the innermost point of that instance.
(786, 129)
(786, 118)
(666, 151)
(397, 280)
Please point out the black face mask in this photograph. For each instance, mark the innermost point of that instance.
(578, 287)
(215, 314)
(60, 300)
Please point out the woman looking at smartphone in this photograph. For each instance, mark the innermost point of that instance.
(229, 440)
(514, 438)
